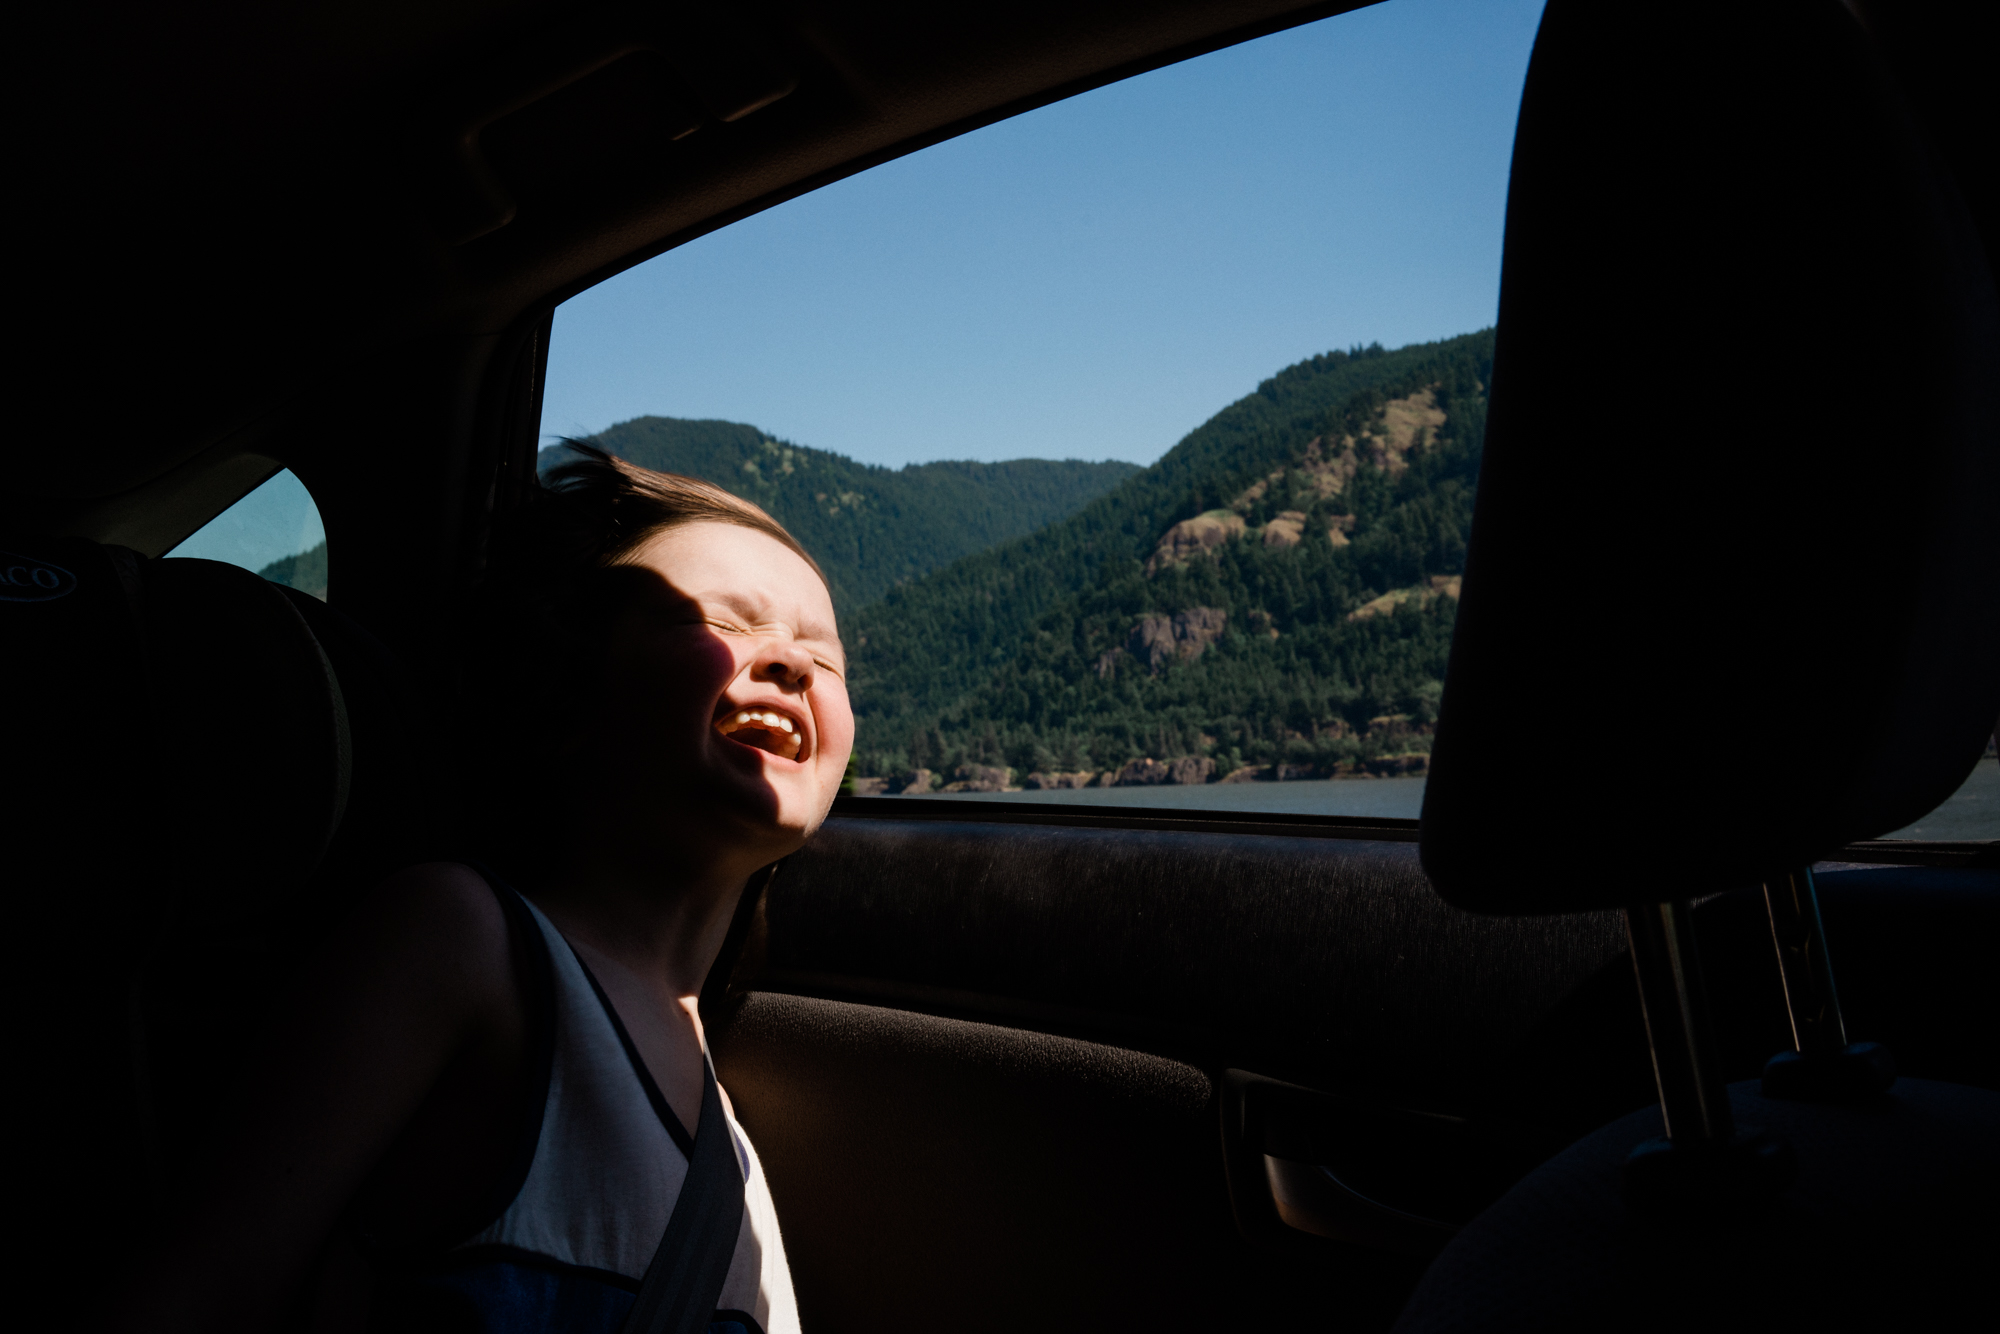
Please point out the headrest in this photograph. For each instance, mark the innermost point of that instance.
(1732, 594)
(176, 734)
(253, 731)
(79, 732)
(399, 801)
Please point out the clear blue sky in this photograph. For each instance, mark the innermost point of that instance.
(1091, 280)
(276, 520)
(1096, 278)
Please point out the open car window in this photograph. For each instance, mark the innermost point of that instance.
(1138, 434)
(275, 531)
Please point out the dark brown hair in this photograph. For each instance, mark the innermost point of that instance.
(554, 583)
(599, 504)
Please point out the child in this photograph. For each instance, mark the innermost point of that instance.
(489, 1094)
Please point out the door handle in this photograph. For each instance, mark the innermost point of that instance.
(1308, 1197)
(1350, 1170)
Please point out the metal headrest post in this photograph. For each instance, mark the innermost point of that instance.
(1704, 1162)
(1823, 1065)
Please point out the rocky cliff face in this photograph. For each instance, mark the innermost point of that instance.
(1182, 771)
(1190, 770)
(1049, 782)
(1287, 530)
(979, 778)
(1204, 608)
(1186, 770)
(1439, 586)
(1159, 640)
(1195, 537)
(1322, 470)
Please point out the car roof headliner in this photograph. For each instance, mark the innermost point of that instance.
(256, 200)
(236, 209)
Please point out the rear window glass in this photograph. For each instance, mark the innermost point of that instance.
(1137, 434)
(1972, 812)
(275, 531)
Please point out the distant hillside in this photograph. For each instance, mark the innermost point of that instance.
(305, 571)
(1278, 589)
(870, 528)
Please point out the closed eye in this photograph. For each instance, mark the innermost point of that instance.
(735, 629)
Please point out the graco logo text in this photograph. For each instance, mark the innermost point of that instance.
(25, 579)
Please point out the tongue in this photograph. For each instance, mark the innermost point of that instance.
(761, 738)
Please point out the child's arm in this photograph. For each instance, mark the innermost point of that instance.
(412, 1007)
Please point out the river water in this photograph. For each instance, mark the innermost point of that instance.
(1972, 812)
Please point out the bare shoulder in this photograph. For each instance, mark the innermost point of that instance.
(446, 894)
(398, 1066)
(434, 925)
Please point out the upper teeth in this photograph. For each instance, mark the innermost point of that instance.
(757, 718)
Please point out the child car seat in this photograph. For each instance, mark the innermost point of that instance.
(193, 789)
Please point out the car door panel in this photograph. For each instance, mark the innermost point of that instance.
(987, 1064)
(1140, 1070)
(1324, 961)
(932, 1164)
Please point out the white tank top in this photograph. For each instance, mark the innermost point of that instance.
(607, 1168)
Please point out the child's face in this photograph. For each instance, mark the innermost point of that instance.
(727, 712)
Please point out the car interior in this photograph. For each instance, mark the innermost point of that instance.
(1014, 1066)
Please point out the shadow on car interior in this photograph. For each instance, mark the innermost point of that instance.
(1015, 1066)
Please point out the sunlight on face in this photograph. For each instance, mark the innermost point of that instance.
(729, 673)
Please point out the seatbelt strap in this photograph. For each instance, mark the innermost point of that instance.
(684, 1281)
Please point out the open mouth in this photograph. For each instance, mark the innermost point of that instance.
(763, 729)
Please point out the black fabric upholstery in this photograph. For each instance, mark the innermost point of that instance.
(82, 897)
(1910, 949)
(79, 721)
(1317, 961)
(911, 1160)
(1022, 1150)
(986, 1178)
(958, 1045)
(1736, 508)
(254, 730)
(1015, 1123)
(178, 793)
(399, 804)
(256, 747)
(1729, 256)
(181, 772)
(1886, 1228)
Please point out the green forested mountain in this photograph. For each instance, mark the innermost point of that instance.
(870, 528)
(1279, 588)
(305, 571)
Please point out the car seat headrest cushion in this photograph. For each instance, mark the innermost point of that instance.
(1735, 513)
(254, 732)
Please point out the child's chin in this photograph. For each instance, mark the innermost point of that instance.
(776, 800)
